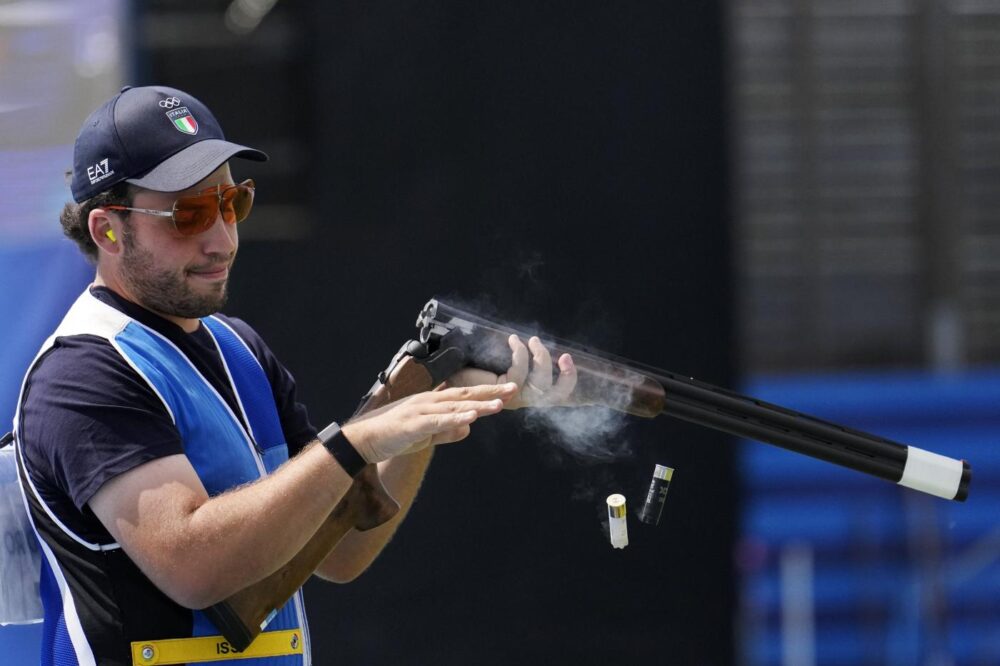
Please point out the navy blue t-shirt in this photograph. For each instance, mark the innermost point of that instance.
(87, 416)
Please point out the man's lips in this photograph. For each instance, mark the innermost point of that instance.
(211, 272)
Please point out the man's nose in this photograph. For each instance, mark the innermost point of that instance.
(220, 238)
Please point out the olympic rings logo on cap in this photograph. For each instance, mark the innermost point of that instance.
(169, 102)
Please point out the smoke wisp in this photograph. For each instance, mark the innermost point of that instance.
(587, 433)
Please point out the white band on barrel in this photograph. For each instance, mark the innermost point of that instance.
(931, 473)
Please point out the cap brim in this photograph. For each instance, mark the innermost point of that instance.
(182, 170)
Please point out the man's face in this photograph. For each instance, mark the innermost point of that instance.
(175, 275)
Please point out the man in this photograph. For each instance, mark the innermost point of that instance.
(165, 460)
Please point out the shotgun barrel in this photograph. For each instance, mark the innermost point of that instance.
(645, 391)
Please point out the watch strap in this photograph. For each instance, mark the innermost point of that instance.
(334, 440)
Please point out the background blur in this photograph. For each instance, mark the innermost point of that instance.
(795, 197)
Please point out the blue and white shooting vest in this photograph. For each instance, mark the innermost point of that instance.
(220, 449)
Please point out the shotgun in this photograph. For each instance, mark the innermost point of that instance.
(451, 338)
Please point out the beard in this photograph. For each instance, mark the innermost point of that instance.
(166, 291)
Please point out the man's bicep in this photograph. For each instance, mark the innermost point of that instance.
(146, 508)
(88, 417)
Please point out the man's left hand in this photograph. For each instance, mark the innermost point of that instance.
(537, 388)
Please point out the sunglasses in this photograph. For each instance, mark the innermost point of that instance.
(196, 213)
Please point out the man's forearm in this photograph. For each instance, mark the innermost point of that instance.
(402, 477)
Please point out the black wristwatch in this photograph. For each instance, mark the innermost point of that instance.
(341, 449)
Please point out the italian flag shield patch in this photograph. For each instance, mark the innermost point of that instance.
(183, 120)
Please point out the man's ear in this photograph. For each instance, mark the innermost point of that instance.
(105, 230)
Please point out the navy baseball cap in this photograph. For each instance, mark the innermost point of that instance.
(155, 137)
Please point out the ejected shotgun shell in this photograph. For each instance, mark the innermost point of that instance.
(617, 521)
(658, 487)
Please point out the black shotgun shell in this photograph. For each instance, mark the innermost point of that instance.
(653, 507)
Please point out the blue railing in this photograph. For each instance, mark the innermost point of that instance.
(896, 576)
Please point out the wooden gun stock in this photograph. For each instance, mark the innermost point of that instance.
(367, 504)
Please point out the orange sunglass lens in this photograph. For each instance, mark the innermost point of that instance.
(237, 202)
(228, 205)
(195, 214)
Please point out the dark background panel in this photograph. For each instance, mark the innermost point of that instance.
(561, 165)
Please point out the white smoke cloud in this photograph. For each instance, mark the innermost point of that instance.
(589, 433)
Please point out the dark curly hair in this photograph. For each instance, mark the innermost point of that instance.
(74, 217)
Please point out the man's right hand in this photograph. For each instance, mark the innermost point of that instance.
(424, 419)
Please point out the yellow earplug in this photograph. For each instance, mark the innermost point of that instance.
(110, 233)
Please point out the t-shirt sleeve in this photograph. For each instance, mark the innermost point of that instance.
(294, 416)
(88, 417)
